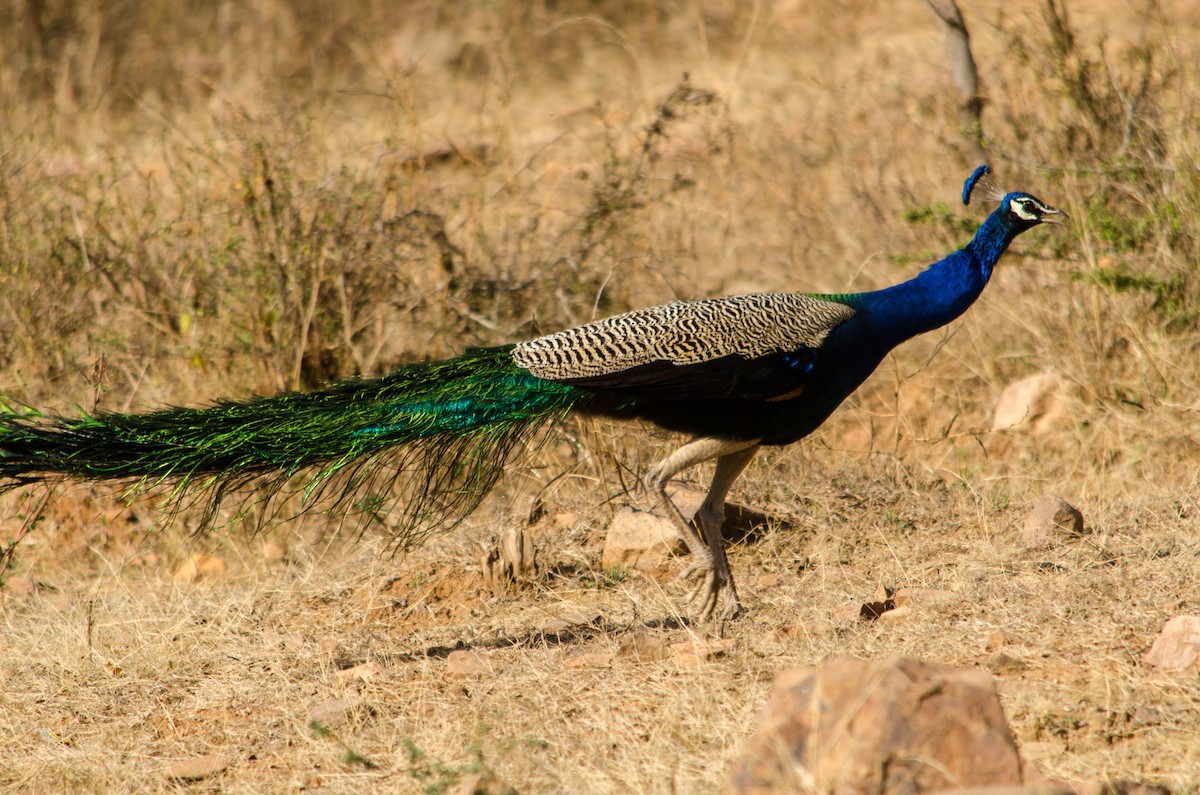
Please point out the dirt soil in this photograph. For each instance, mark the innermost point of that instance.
(217, 202)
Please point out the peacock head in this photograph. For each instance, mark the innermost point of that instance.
(1020, 211)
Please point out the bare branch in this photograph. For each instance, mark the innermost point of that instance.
(962, 64)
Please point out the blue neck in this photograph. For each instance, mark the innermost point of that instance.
(943, 291)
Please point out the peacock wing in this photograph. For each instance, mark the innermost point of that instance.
(758, 347)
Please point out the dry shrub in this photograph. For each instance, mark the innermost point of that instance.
(217, 199)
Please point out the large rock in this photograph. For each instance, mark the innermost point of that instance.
(888, 726)
(1177, 648)
(640, 540)
(1037, 403)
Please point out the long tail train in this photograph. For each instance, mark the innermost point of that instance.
(455, 422)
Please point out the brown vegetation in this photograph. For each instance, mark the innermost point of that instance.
(217, 199)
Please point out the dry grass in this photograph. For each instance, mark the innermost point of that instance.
(246, 197)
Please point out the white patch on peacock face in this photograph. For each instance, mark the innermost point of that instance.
(1027, 209)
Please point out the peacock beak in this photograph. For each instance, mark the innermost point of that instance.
(1053, 215)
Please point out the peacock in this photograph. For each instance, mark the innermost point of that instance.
(734, 374)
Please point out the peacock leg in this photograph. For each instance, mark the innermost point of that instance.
(711, 518)
(709, 561)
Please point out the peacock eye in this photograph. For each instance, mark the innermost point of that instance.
(1024, 209)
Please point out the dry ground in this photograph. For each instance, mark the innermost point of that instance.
(246, 197)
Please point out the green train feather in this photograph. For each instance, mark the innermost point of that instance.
(457, 422)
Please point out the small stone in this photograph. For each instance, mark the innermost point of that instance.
(1144, 716)
(336, 711)
(642, 647)
(273, 552)
(197, 567)
(592, 660)
(1177, 647)
(465, 663)
(690, 654)
(566, 519)
(770, 580)
(997, 639)
(367, 672)
(570, 623)
(1051, 520)
(196, 768)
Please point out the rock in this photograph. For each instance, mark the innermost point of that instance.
(1052, 520)
(336, 711)
(198, 566)
(570, 623)
(689, 654)
(997, 639)
(464, 662)
(512, 560)
(896, 614)
(273, 552)
(1036, 403)
(887, 726)
(367, 672)
(566, 520)
(196, 768)
(640, 540)
(770, 580)
(642, 647)
(1177, 648)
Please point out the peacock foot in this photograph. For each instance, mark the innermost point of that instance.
(713, 582)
